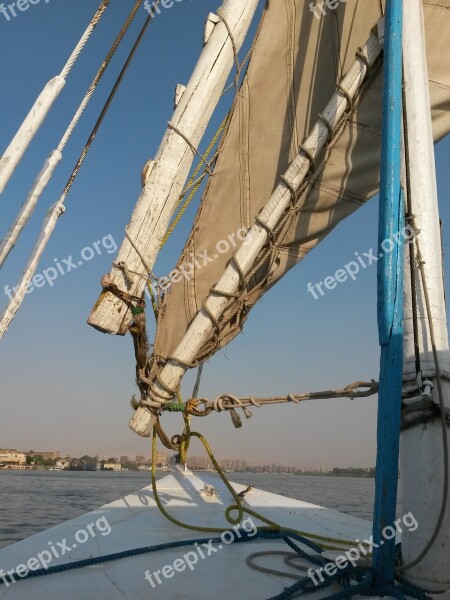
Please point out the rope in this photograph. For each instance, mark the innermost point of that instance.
(192, 181)
(194, 149)
(410, 219)
(84, 39)
(270, 525)
(226, 402)
(97, 78)
(108, 103)
(221, 14)
(98, 560)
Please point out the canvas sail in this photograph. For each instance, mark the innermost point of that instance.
(298, 59)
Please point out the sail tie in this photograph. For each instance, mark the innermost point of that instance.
(347, 95)
(328, 125)
(270, 232)
(221, 14)
(194, 148)
(309, 155)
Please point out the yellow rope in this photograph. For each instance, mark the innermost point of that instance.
(192, 181)
(270, 525)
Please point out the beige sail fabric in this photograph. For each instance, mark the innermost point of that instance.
(297, 61)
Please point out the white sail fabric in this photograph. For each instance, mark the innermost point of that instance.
(299, 57)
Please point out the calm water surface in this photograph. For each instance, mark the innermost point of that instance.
(32, 501)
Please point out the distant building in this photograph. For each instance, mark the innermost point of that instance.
(199, 463)
(112, 467)
(124, 459)
(46, 455)
(63, 463)
(141, 460)
(161, 459)
(12, 457)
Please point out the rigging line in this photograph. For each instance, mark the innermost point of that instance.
(192, 180)
(108, 102)
(421, 264)
(98, 77)
(54, 159)
(410, 220)
(37, 115)
(58, 208)
(198, 381)
(84, 39)
(221, 14)
(226, 402)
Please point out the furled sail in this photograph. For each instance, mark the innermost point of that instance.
(301, 53)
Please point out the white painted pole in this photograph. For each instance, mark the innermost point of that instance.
(33, 121)
(165, 182)
(256, 238)
(50, 221)
(16, 149)
(8, 243)
(422, 468)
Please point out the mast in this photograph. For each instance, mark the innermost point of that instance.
(390, 298)
(422, 450)
(168, 172)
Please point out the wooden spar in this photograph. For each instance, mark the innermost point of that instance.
(33, 121)
(55, 157)
(29, 205)
(422, 466)
(173, 162)
(390, 299)
(16, 149)
(51, 219)
(202, 325)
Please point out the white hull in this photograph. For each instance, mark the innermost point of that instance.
(136, 522)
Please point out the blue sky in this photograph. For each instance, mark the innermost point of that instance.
(65, 386)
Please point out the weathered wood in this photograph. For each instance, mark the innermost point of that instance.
(51, 219)
(16, 149)
(29, 205)
(256, 238)
(421, 457)
(33, 121)
(164, 185)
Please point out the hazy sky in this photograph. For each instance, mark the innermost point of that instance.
(66, 387)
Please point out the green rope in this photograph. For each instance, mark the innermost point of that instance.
(175, 407)
(237, 506)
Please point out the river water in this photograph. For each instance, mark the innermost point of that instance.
(32, 501)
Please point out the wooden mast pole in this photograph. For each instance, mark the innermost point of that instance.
(390, 299)
(170, 169)
(422, 478)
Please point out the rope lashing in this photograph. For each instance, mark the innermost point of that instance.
(290, 187)
(347, 95)
(309, 155)
(195, 184)
(221, 14)
(192, 146)
(328, 125)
